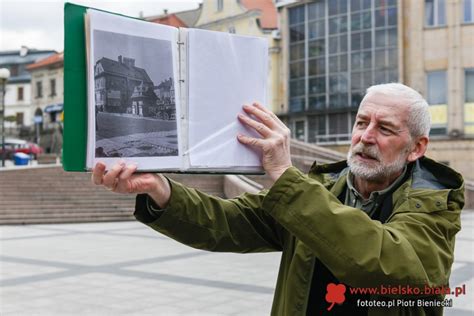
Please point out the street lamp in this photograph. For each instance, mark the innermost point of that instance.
(4, 75)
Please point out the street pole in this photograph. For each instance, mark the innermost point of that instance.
(4, 75)
(3, 122)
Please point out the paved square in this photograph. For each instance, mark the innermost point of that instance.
(126, 268)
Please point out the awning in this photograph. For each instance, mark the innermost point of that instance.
(54, 108)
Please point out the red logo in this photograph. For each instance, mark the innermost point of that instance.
(335, 294)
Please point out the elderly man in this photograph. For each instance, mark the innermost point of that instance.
(385, 219)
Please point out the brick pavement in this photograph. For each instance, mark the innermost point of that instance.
(127, 269)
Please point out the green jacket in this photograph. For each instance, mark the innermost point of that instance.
(301, 216)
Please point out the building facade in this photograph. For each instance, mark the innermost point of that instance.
(47, 90)
(166, 104)
(117, 81)
(18, 94)
(334, 49)
(121, 87)
(438, 61)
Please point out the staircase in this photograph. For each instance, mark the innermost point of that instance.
(51, 195)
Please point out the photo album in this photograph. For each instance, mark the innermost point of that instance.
(161, 97)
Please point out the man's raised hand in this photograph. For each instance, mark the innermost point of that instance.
(275, 141)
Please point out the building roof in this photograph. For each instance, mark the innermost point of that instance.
(181, 19)
(269, 17)
(48, 61)
(22, 78)
(190, 17)
(13, 57)
(169, 19)
(16, 60)
(115, 67)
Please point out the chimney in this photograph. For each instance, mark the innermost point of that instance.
(23, 51)
(129, 62)
(120, 59)
(165, 11)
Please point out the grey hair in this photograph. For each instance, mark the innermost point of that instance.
(419, 118)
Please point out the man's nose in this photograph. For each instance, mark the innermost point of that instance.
(368, 136)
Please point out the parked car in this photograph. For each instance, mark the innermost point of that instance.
(9, 149)
(13, 146)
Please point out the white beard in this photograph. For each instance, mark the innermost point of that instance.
(377, 170)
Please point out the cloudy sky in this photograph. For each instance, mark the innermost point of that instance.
(39, 23)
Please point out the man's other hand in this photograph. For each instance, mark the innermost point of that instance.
(275, 141)
(121, 178)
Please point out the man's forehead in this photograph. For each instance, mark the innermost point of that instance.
(380, 111)
(383, 106)
(383, 115)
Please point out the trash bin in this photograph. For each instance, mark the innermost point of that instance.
(21, 159)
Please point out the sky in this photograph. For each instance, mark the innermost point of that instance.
(39, 23)
(151, 54)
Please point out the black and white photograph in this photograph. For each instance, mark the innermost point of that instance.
(134, 93)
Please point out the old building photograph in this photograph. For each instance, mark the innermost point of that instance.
(134, 96)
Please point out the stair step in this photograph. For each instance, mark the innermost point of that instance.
(60, 214)
(70, 210)
(48, 220)
(32, 203)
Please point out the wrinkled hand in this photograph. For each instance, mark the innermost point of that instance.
(275, 141)
(121, 179)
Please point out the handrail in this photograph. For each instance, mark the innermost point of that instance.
(469, 184)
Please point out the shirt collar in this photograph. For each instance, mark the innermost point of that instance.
(375, 194)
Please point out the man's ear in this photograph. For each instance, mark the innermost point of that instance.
(418, 149)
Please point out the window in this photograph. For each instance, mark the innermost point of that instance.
(437, 99)
(468, 11)
(299, 130)
(220, 5)
(20, 94)
(232, 29)
(338, 127)
(469, 102)
(296, 15)
(437, 87)
(435, 12)
(39, 89)
(19, 118)
(316, 127)
(469, 85)
(52, 84)
(337, 49)
(14, 70)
